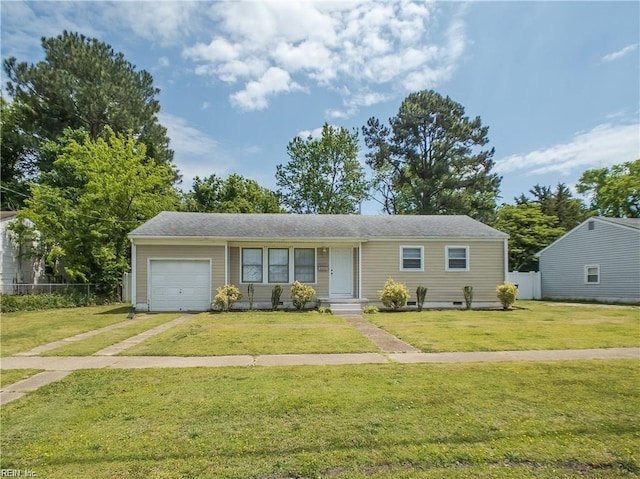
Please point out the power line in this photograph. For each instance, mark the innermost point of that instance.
(2, 187)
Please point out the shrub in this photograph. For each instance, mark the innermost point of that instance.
(370, 309)
(276, 292)
(394, 295)
(506, 293)
(325, 310)
(36, 302)
(227, 295)
(301, 294)
(421, 294)
(467, 291)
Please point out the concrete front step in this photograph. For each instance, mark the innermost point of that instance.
(342, 308)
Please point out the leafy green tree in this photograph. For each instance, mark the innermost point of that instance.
(613, 191)
(236, 194)
(323, 175)
(96, 192)
(560, 203)
(83, 84)
(530, 230)
(16, 154)
(432, 160)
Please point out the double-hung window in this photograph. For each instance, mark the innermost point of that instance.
(304, 265)
(411, 258)
(278, 265)
(457, 258)
(592, 274)
(252, 265)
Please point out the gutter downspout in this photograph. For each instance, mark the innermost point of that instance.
(506, 259)
(134, 272)
(360, 270)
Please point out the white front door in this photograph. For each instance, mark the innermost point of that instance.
(341, 273)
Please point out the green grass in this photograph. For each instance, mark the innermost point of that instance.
(536, 325)
(543, 420)
(93, 344)
(22, 331)
(215, 334)
(10, 376)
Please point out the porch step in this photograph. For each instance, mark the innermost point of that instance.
(346, 308)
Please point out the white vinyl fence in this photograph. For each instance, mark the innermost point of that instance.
(529, 284)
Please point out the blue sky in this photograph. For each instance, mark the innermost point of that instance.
(556, 82)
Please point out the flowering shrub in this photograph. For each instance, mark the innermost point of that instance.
(227, 295)
(394, 295)
(301, 294)
(506, 293)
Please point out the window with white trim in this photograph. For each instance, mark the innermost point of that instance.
(457, 258)
(278, 265)
(252, 265)
(411, 258)
(592, 274)
(304, 265)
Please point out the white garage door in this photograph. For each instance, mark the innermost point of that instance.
(179, 285)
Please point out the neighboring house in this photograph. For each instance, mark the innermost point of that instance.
(179, 259)
(597, 260)
(17, 265)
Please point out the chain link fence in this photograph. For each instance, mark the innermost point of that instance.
(48, 288)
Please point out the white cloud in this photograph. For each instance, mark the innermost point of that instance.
(606, 144)
(384, 49)
(163, 22)
(256, 93)
(620, 53)
(196, 153)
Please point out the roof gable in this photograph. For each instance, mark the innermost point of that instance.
(626, 223)
(229, 225)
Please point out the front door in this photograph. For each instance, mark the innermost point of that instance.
(341, 274)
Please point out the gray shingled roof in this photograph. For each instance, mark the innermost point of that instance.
(630, 222)
(226, 225)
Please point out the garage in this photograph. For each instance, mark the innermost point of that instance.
(179, 285)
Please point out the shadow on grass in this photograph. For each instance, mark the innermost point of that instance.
(117, 310)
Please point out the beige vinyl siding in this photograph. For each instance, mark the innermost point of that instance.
(262, 291)
(381, 261)
(144, 252)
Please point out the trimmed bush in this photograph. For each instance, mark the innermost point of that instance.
(227, 295)
(421, 294)
(325, 310)
(467, 291)
(37, 302)
(301, 294)
(370, 309)
(276, 292)
(394, 295)
(506, 293)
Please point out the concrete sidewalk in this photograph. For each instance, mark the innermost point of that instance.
(72, 363)
(56, 368)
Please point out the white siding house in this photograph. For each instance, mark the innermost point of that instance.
(17, 266)
(597, 260)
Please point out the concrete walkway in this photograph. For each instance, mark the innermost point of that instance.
(382, 339)
(138, 338)
(79, 337)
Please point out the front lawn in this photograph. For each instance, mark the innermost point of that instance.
(534, 325)
(544, 420)
(255, 333)
(22, 331)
